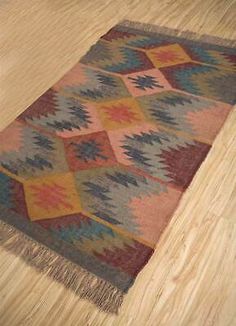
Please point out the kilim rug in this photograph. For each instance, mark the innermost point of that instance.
(92, 171)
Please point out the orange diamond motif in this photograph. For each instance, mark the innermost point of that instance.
(120, 114)
(51, 196)
(168, 55)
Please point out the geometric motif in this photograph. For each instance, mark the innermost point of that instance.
(169, 55)
(51, 196)
(91, 84)
(102, 194)
(61, 115)
(99, 241)
(212, 56)
(204, 80)
(206, 53)
(12, 195)
(160, 154)
(120, 113)
(98, 163)
(88, 151)
(32, 154)
(199, 117)
(146, 82)
(120, 36)
(116, 59)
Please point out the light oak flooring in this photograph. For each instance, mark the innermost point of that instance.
(191, 278)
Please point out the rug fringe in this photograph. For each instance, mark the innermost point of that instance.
(204, 38)
(87, 285)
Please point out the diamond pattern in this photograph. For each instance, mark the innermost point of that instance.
(102, 193)
(52, 196)
(146, 82)
(199, 117)
(204, 80)
(120, 114)
(102, 158)
(91, 84)
(117, 59)
(169, 55)
(31, 153)
(89, 151)
(93, 119)
(63, 116)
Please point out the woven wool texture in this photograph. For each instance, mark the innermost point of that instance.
(92, 171)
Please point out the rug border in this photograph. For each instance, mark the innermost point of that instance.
(40, 235)
(82, 282)
(185, 34)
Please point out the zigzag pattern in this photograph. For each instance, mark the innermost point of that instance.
(100, 241)
(91, 84)
(38, 155)
(211, 54)
(209, 81)
(116, 59)
(185, 113)
(101, 194)
(118, 36)
(59, 113)
(12, 195)
(146, 151)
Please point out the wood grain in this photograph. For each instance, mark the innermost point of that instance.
(191, 278)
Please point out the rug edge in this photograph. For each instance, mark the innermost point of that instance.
(85, 284)
(187, 34)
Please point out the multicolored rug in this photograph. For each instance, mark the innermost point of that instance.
(92, 171)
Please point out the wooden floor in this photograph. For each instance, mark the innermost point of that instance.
(191, 279)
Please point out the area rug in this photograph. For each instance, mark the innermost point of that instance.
(93, 170)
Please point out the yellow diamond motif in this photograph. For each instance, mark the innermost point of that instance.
(168, 55)
(51, 196)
